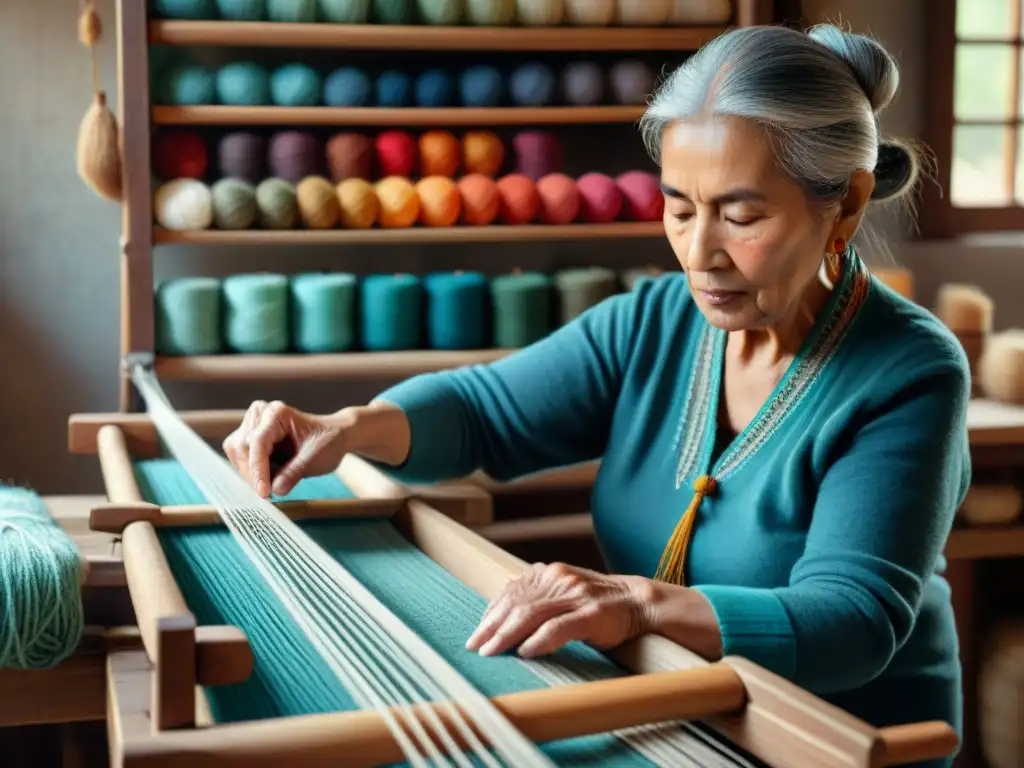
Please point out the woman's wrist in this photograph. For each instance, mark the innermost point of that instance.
(379, 431)
(682, 615)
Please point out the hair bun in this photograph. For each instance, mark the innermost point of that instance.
(895, 172)
(875, 70)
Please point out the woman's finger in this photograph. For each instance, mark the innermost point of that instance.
(521, 622)
(489, 622)
(270, 430)
(557, 632)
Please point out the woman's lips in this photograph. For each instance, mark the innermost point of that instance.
(720, 298)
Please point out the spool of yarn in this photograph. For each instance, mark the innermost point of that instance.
(990, 505)
(187, 85)
(188, 316)
(234, 204)
(399, 203)
(243, 83)
(480, 199)
(183, 205)
(632, 279)
(349, 156)
(295, 11)
(642, 199)
(323, 312)
(456, 310)
(441, 12)
(394, 12)
(521, 304)
(968, 312)
(1000, 690)
(491, 13)
(643, 13)
(396, 152)
(391, 311)
(394, 89)
(185, 9)
(293, 155)
(632, 81)
(540, 13)
(344, 11)
(439, 153)
(42, 573)
(538, 153)
(358, 202)
(600, 198)
(440, 202)
(590, 13)
(295, 85)
(256, 313)
(1001, 367)
(583, 83)
(482, 152)
(518, 199)
(318, 203)
(242, 10)
(179, 154)
(348, 87)
(243, 155)
(435, 88)
(580, 289)
(558, 199)
(277, 204)
(532, 85)
(698, 12)
(482, 86)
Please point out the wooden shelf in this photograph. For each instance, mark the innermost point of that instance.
(457, 116)
(985, 543)
(428, 38)
(293, 367)
(492, 234)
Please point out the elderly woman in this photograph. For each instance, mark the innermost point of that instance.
(783, 439)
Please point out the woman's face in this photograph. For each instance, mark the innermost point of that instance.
(747, 236)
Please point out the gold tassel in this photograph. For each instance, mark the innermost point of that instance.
(673, 559)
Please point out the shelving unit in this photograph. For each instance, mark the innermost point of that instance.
(136, 32)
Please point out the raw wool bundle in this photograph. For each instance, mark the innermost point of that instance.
(968, 312)
(98, 154)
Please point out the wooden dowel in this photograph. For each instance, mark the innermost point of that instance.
(140, 434)
(914, 743)
(116, 466)
(365, 480)
(574, 476)
(539, 529)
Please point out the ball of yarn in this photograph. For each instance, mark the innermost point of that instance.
(42, 573)
(698, 12)
(358, 202)
(396, 152)
(242, 10)
(185, 9)
(582, 288)
(482, 152)
(234, 204)
(538, 153)
(344, 11)
(600, 198)
(391, 312)
(293, 155)
(394, 89)
(323, 312)
(435, 88)
(183, 204)
(482, 86)
(532, 85)
(297, 11)
(540, 13)
(188, 316)
(399, 203)
(480, 199)
(441, 12)
(318, 203)
(558, 199)
(583, 83)
(187, 85)
(295, 85)
(494, 13)
(631, 81)
(278, 207)
(178, 154)
(348, 87)
(349, 156)
(440, 201)
(243, 83)
(642, 13)
(243, 155)
(439, 153)
(642, 199)
(256, 313)
(394, 11)
(518, 199)
(590, 13)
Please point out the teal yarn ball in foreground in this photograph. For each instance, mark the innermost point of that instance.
(41, 572)
(522, 309)
(188, 316)
(296, 11)
(442, 12)
(295, 85)
(188, 85)
(242, 10)
(256, 313)
(391, 309)
(324, 312)
(345, 11)
(456, 310)
(185, 9)
(491, 13)
(243, 84)
(394, 11)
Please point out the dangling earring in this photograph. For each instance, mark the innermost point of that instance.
(838, 246)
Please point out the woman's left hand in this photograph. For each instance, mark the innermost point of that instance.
(551, 605)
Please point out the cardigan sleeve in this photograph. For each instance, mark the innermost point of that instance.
(882, 515)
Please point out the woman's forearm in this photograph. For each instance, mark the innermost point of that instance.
(379, 432)
(682, 615)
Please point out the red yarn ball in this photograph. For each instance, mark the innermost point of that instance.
(396, 153)
(600, 198)
(480, 199)
(559, 200)
(641, 196)
(179, 154)
(519, 199)
(538, 153)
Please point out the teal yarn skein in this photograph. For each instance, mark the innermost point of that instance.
(391, 310)
(296, 11)
(344, 11)
(522, 309)
(456, 310)
(243, 84)
(194, 10)
(491, 13)
(295, 85)
(394, 11)
(442, 12)
(323, 312)
(188, 85)
(242, 10)
(41, 572)
(188, 316)
(256, 313)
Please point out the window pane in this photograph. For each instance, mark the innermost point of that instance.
(982, 82)
(978, 173)
(1018, 175)
(984, 18)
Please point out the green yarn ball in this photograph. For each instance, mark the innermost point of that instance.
(188, 316)
(277, 204)
(242, 10)
(345, 11)
(256, 313)
(491, 13)
(442, 12)
(296, 11)
(394, 11)
(234, 204)
(323, 312)
(187, 85)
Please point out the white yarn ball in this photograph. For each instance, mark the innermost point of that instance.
(590, 13)
(183, 204)
(700, 12)
(540, 13)
(643, 13)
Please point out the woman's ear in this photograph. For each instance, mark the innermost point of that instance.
(852, 207)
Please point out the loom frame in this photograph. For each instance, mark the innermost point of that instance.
(157, 712)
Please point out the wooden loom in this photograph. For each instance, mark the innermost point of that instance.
(157, 714)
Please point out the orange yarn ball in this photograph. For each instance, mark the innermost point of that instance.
(440, 202)
(518, 199)
(317, 202)
(359, 204)
(399, 203)
(558, 199)
(439, 154)
(482, 152)
(480, 199)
